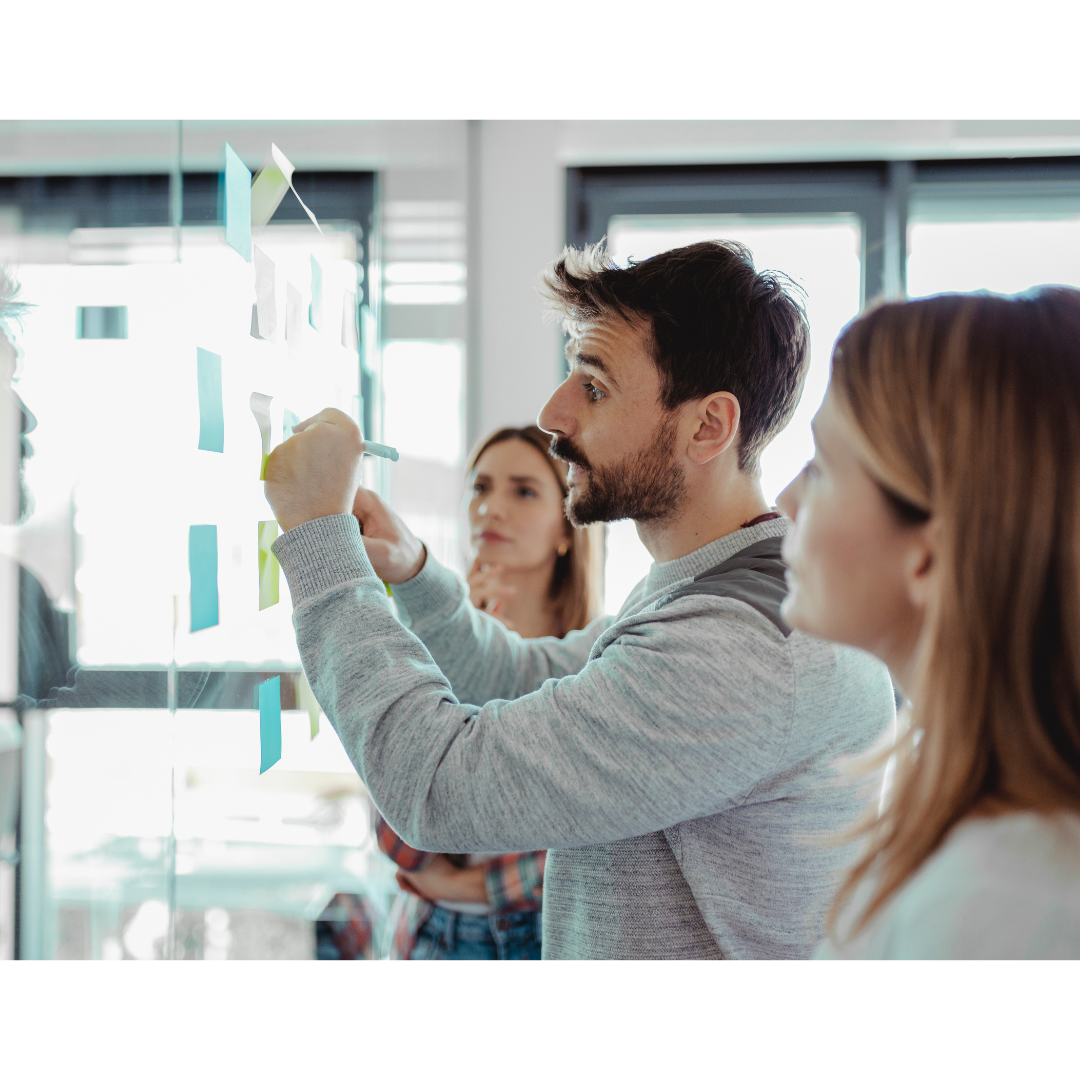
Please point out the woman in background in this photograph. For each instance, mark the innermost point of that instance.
(540, 577)
(938, 527)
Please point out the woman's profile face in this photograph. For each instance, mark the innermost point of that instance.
(852, 565)
(516, 507)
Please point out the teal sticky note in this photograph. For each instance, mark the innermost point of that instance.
(268, 700)
(315, 312)
(211, 411)
(237, 203)
(289, 421)
(202, 563)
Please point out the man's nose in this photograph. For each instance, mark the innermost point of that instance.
(556, 417)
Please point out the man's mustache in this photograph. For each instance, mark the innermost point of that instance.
(565, 450)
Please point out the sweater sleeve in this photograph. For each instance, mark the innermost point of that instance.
(482, 658)
(650, 733)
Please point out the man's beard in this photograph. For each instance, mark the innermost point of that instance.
(645, 487)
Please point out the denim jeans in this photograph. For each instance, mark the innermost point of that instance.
(508, 935)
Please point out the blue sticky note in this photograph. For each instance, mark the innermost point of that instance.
(268, 700)
(289, 421)
(237, 203)
(211, 411)
(202, 563)
(315, 312)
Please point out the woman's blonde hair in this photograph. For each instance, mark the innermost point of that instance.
(576, 582)
(967, 409)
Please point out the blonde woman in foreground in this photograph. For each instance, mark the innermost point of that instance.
(938, 527)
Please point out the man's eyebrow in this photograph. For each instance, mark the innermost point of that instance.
(588, 360)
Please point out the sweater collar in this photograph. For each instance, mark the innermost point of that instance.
(663, 576)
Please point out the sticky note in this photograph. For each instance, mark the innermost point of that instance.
(211, 410)
(269, 188)
(268, 565)
(237, 203)
(289, 420)
(202, 565)
(287, 170)
(265, 295)
(305, 699)
(268, 702)
(315, 312)
(294, 316)
(260, 408)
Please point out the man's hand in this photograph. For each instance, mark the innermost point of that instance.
(442, 880)
(394, 552)
(316, 472)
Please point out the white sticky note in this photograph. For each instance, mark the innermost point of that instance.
(287, 170)
(260, 408)
(265, 296)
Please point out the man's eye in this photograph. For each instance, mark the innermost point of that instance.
(810, 470)
(593, 392)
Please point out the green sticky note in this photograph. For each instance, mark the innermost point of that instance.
(237, 203)
(305, 699)
(268, 702)
(203, 565)
(211, 410)
(268, 565)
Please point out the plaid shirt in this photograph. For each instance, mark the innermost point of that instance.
(515, 882)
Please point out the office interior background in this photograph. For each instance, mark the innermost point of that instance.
(148, 832)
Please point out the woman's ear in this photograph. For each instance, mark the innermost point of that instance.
(920, 563)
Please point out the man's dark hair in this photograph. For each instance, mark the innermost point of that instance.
(717, 324)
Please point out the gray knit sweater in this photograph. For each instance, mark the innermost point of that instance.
(678, 759)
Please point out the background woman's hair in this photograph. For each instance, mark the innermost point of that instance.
(967, 409)
(576, 583)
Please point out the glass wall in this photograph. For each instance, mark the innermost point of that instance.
(157, 821)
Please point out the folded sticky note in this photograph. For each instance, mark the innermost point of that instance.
(268, 565)
(289, 420)
(211, 411)
(268, 702)
(265, 295)
(286, 167)
(267, 191)
(260, 408)
(237, 203)
(202, 565)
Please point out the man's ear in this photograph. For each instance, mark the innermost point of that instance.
(716, 425)
(920, 564)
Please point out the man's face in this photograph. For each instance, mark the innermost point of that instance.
(607, 422)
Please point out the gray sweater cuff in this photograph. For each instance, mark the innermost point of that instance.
(433, 590)
(321, 555)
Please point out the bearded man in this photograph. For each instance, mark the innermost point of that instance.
(677, 759)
